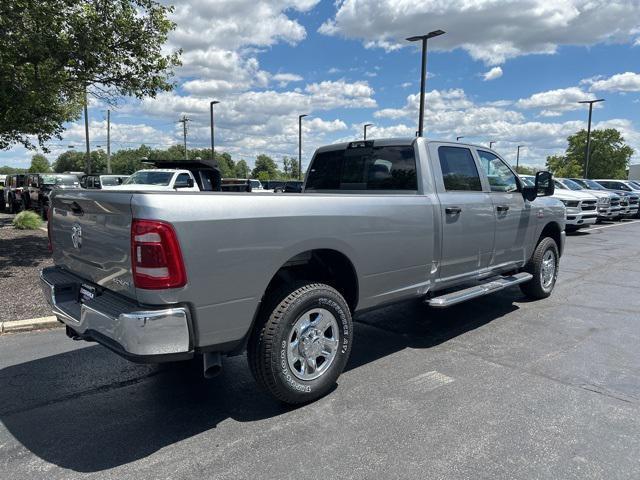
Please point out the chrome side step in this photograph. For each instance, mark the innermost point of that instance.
(476, 291)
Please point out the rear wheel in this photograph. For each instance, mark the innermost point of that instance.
(302, 344)
(543, 266)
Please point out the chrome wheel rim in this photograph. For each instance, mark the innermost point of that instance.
(313, 344)
(548, 270)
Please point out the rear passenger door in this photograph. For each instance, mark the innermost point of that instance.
(511, 212)
(466, 212)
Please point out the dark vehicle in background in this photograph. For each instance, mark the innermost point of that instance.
(101, 182)
(235, 185)
(280, 186)
(12, 193)
(38, 187)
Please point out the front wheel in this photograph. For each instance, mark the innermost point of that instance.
(302, 344)
(543, 266)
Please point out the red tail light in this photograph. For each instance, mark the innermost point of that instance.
(156, 259)
(49, 214)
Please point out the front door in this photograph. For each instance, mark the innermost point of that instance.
(512, 212)
(468, 221)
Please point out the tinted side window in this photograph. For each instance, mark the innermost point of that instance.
(459, 170)
(501, 178)
(364, 168)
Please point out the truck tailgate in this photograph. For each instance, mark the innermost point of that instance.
(91, 237)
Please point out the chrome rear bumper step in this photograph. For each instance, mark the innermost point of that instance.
(476, 291)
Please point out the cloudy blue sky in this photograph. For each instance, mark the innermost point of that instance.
(511, 72)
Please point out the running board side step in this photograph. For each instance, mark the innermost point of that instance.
(476, 291)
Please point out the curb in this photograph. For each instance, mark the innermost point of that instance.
(41, 323)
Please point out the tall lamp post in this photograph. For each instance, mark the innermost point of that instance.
(491, 144)
(300, 117)
(518, 157)
(365, 129)
(423, 74)
(213, 151)
(458, 138)
(587, 152)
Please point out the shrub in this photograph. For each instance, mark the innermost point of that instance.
(27, 220)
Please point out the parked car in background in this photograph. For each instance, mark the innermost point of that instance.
(608, 202)
(102, 182)
(291, 186)
(379, 222)
(626, 192)
(12, 195)
(38, 187)
(616, 200)
(581, 208)
(256, 185)
(160, 179)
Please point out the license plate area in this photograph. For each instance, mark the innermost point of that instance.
(87, 292)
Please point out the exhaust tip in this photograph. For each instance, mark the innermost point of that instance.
(212, 364)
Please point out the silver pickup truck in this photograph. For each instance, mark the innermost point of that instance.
(159, 276)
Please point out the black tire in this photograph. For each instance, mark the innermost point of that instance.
(268, 349)
(536, 288)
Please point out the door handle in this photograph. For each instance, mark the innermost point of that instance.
(502, 208)
(452, 210)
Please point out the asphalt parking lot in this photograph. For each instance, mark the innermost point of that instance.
(496, 388)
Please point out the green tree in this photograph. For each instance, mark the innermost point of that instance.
(226, 165)
(526, 170)
(241, 170)
(39, 164)
(609, 157)
(6, 170)
(265, 165)
(52, 52)
(290, 167)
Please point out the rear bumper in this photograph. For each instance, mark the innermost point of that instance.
(140, 334)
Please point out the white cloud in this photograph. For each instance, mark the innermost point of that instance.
(284, 79)
(555, 102)
(490, 30)
(495, 72)
(406, 84)
(621, 82)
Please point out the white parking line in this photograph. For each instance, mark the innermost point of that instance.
(614, 225)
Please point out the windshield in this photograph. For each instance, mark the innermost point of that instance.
(635, 184)
(111, 181)
(571, 185)
(593, 185)
(149, 178)
(66, 180)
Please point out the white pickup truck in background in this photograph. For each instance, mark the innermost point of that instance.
(160, 179)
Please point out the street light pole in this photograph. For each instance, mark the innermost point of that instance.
(587, 151)
(300, 117)
(86, 133)
(213, 151)
(365, 129)
(423, 73)
(108, 141)
(491, 144)
(458, 138)
(518, 157)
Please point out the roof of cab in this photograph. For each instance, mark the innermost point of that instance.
(397, 141)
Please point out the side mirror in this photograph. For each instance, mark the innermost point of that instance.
(544, 187)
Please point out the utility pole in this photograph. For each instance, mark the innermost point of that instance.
(518, 157)
(213, 150)
(184, 121)
(86, 134)
(108, 141)
(491, 144)
(300, 117)
(587, 151)
(423, 73)
(458, 138)
(365, 129)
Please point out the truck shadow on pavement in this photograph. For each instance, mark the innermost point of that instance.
(88, 410)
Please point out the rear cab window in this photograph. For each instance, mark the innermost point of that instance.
(459, 170)
(364, 167)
